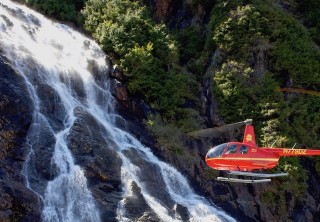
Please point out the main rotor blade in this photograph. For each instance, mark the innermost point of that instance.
(218, 131)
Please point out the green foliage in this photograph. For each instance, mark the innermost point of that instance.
(192, 120)
(268, 197)
(289, 56)
(158, 86)
(272, 114)
(240, 30)
(191, 42)
(296, 182)
(297, 57)
(231, 88)
(67, 10)
(119, 26)
(168, 135)
(308, 11)
(304, 116)
(236, 29)
(288, 188)
(144, 50)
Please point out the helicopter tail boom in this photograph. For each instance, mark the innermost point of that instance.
(293, 152)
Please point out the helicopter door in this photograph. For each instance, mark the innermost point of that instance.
(232, 149)
(244, 159)
(231, 156)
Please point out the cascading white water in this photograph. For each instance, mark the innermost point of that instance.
(55, 55)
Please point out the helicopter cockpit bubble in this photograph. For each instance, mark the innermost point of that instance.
(216, 151)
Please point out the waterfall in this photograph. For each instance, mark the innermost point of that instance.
(54, 59)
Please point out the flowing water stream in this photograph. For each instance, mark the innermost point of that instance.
(51, 57)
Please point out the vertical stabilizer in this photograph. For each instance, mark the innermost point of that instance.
(249, 136)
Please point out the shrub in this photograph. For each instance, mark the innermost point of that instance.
(146, 51)
(67, 10)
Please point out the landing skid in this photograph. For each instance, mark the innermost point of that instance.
(266, 177)
(236, 180)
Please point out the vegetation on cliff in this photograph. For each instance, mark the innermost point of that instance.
(263, 46)
(145, 50)
(66, 10)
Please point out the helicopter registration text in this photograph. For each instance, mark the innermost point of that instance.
(295, 151)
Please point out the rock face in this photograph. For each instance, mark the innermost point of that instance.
(163, 8)
(242, 201)
(102, 165)
(17, 202)
(91, 150)
(137, 108)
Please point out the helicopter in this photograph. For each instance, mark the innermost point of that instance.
(246, 158)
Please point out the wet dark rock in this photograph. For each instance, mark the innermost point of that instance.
(147, 217)
(137, 108)
(151, 176)
(117, 74)
(121, 94)
(93, 67)
(7, 21)
(51, 106)
(131, 108)
(182, 212)
(259, 53)
(137, 208)
(209, 105)
(264, 213)
(17, 202)
(97, 156)
(39, 169)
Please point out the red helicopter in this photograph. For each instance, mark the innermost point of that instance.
(242, 158)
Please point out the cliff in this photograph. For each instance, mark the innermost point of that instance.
(267, 202)
(206, 57)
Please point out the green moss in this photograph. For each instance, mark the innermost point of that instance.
(267, 197)
(211, 173)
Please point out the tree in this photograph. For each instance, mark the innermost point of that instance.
(145, 50)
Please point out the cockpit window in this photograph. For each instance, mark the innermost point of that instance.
(243, 149)
(216, 151)
(232, 149)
